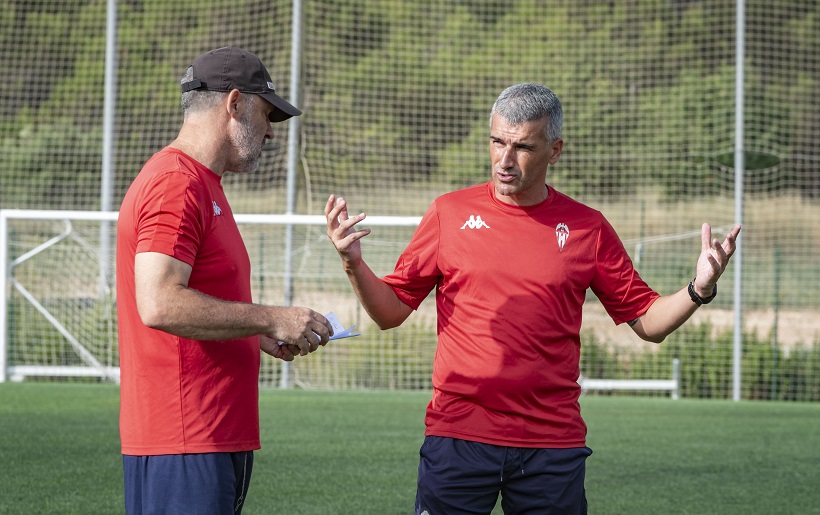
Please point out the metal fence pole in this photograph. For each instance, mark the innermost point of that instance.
(739, 169)
(676, 378)
(293, 162)
(109, 142)
(4, 291)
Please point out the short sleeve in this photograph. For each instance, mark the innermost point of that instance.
(170, 219)
(616, 283)
(417, 271)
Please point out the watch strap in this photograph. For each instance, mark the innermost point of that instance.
(697, 299)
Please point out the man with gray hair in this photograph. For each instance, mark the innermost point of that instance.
(511, 261)
(189, 334)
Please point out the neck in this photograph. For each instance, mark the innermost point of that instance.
(523, 200)
(199, 140)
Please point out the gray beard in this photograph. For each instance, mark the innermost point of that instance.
(247, 148)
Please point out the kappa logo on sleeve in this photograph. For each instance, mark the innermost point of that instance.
(562, 234)
(475, 222)
(217, 209)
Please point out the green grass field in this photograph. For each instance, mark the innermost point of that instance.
(330, 453)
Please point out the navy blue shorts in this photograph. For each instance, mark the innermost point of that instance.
(190, 484)
(462, 477)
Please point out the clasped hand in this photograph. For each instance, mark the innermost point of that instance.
(297, 332)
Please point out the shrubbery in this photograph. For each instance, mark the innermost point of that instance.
(706, 365)
(384, 360)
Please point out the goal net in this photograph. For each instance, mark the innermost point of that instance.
(396, 97)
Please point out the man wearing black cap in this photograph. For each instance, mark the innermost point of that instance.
(189, 334)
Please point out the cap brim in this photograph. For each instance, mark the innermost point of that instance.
(282, 109)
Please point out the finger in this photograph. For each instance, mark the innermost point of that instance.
(280, 351)
(321, 318)
(341, 203)
(350, 223)
(285, 354)
(331, 202)
(340, 225)
(322, 327)
(336, 209)
(347, 242)
(327, 324)
(346, 222)
(719, 256)
(730, 244)
(724, 256)
(332, 210)
(705, 236)
(312, 336)
(304, 345)
(346, 234)
(315, 346)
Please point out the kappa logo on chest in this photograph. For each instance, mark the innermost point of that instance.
(475, 222)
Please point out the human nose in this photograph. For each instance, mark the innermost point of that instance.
(269, 131)
(507, 158)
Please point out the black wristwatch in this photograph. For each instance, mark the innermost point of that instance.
(697, 299)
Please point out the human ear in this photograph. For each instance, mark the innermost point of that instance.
(232, 103)
(557, 148)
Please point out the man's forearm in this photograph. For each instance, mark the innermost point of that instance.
(191, 314)
(376, 296)
(665, 315)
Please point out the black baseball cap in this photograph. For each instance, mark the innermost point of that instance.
(229, 68)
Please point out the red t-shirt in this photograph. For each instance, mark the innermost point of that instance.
(178, 395)
(510, 283)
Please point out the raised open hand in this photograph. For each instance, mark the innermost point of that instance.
(713, 259)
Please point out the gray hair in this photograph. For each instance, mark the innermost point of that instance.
(527, 102)
(198, 100)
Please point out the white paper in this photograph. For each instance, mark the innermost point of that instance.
(339, 330)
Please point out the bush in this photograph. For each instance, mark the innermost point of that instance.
(768, 373)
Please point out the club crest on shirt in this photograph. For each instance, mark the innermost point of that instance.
(562, 234)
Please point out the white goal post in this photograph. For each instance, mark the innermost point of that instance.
(90, 365)
(92, 255)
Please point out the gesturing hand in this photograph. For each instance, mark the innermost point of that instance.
(341, 230)
(714, 256)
